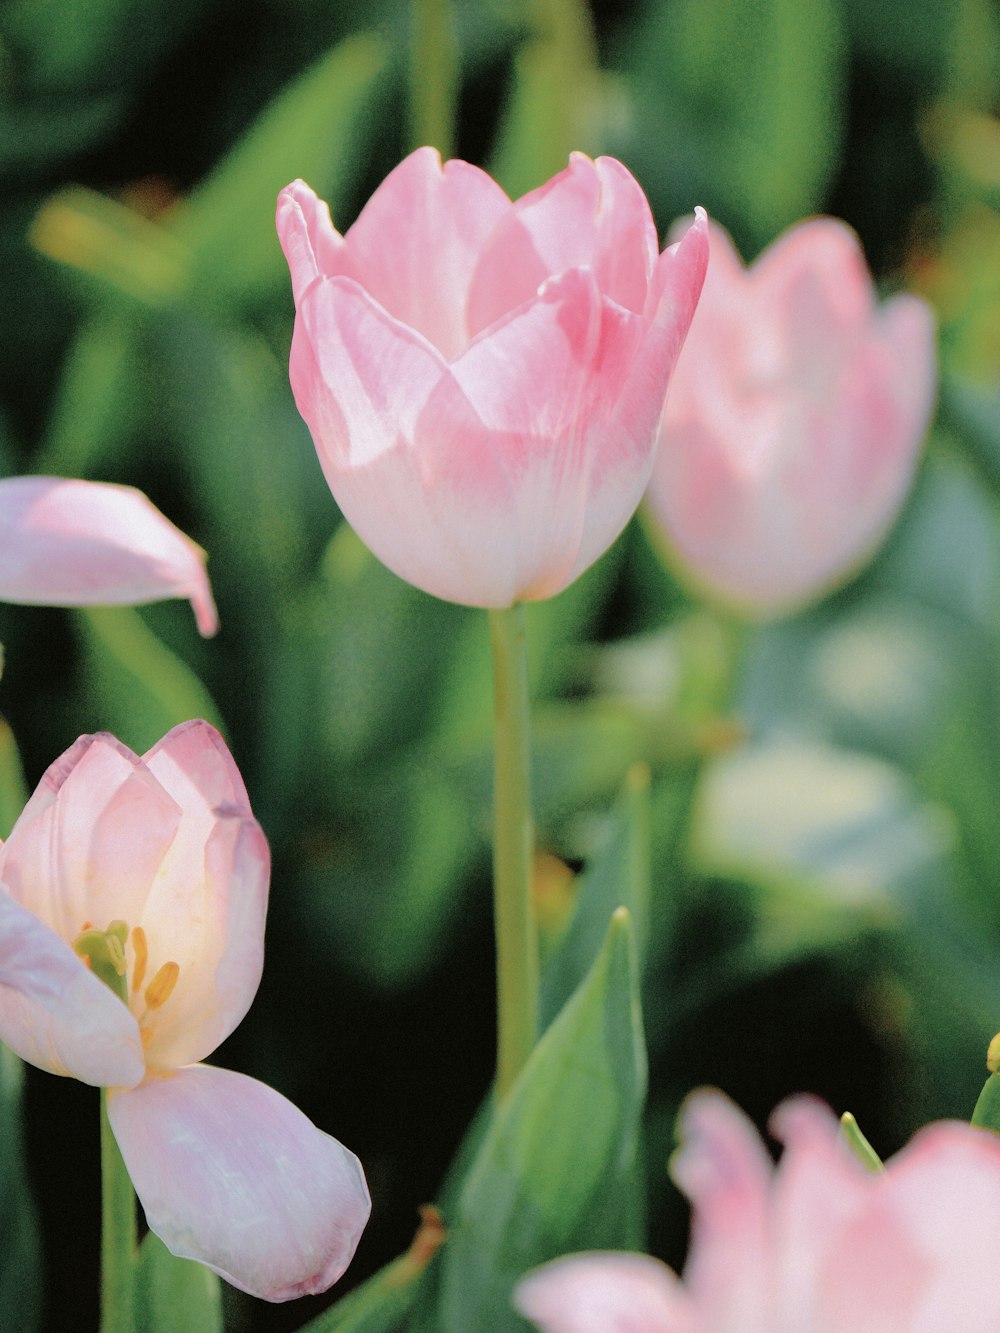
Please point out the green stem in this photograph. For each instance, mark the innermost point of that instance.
(433, 75)
(118, 1234)
(513, 848)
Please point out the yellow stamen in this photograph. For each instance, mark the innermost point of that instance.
(160, 989)
(141, 949)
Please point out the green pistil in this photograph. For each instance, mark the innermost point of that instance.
(104, 950)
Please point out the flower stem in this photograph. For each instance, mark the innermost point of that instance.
(433, 75)
(513, 847)
(118, 1234)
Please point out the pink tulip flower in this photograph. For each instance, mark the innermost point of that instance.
(817, 1244)
(86, 543)
(131, 944)
(483, 379)
(794, 420)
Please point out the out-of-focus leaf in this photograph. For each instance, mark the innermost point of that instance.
(557, 1168)
(313, 130)
(113, 247)
(557, 104)
(617, 876)
(740, 104)
(135, 686)
(986, 1113)
(175, 1295)
(33, 134)
(20, 1271)
(13, 789)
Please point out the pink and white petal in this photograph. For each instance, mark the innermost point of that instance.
(233, 1175)
(906, 326)
(725, 1172)
(84, 543)
(816, 284)
(193, 765)
(88, 846)
(207, 914)
(606, 1293)
(366, 375)
(312, 245)
(417, 241)
(56, 1014)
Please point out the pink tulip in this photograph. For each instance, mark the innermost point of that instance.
(131, 945)
(815, 1245)
(85, 543)
(794, 420)
(483, 379)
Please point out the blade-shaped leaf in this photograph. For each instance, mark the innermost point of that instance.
(176, 1295)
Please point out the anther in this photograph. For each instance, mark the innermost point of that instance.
(160, 989)
(141, 949)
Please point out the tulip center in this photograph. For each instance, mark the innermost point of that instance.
(103, 952)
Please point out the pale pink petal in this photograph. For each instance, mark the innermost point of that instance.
(91, 840)
(233, 1175)
(416, 243)
(311, 244)
(622, 450)
(606, 1293)
(591, 215)
(206, 913)
(193, 765)
(56, 1014)
(725, 1172)
(82, 543)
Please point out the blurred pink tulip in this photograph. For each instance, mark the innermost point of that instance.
(794, 421)
(86, 543)
(131, 945)
(483, 379)
(815, 1245)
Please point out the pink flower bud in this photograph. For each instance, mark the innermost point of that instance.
(483, 379)
(794, 420)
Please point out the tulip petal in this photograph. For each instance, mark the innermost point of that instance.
(725, 1172)
(605, 1293)
(233, 1175)
(311, 244)
(91, 839)
(416, 243)
(591, 215)
(56, 1014)
(83, 543)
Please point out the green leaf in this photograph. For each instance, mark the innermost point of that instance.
(314, 130)
(20, 1272)
(556, 103)
(13, 789)
(175, 1295)
(557, 1169)
(136, 686)
(986, 1114)
(616, 876)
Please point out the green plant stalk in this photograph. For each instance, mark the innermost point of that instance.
(513, 849)
(118, 1234)
(433, 75)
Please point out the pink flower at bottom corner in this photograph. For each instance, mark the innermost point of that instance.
(816, 1244)
(133, 893)
(65, 542)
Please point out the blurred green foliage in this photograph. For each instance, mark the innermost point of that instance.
(808, 846)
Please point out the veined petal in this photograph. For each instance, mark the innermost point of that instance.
(233, 1175)
(206, 913)
(91, 840)
(193, 764)
(606, 1293)
(84, 543)
(56, 1014)
(416, 243)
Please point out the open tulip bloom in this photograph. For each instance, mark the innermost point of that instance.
(795, 417)
(482, 378)
(132, 902)
(84, 543)
(818, 1244)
